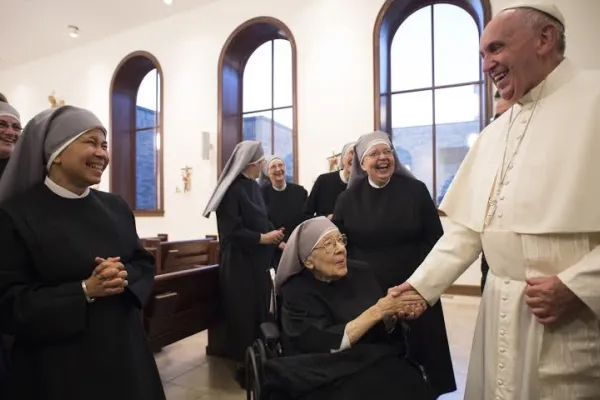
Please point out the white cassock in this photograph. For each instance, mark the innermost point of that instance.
(546, 223)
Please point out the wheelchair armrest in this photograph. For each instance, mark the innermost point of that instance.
(270, 332)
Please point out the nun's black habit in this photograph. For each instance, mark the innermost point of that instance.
(326, 189)
(285, 207)
(67, 348)
(244, 262)
(314, 317)
(392, 229)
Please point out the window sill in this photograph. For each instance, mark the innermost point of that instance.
(149, 213)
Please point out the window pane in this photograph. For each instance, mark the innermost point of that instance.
(457, 118)
(456, 45)
(258, 74)
(147, 101)
(282, 73)
(412, 133)
(411, 65)
(146, 169)
(257, 126)
(284, 139)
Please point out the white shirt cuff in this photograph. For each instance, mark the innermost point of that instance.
(344, 345)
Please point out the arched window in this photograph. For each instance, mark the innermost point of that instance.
(136, 105)
(430, 93)
(257, 91)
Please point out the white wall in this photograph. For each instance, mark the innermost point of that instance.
(335, 85)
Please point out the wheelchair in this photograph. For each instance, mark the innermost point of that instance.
(266, 347)
(270, 345)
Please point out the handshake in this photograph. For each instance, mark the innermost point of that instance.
(402, 301)
(108, 278)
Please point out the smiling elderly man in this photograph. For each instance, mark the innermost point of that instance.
(10, 130)
(527, 193)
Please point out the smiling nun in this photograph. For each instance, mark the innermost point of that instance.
(10, 130)
(285, 201)
(73, 276)
(391, 224)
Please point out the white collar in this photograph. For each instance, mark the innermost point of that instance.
(563, 73)
(376, 186)
(62, 192)
(342, 176)
(280, 190)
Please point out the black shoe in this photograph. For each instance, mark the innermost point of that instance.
(240, 377)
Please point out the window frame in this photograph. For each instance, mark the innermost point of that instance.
(391, 16)
(124, 87)
(236, 52)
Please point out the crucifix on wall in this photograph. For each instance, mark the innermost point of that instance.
(186, 176)
(334, 162)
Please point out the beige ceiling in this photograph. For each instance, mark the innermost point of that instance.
(38, 28)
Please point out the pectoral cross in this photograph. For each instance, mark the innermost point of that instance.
(492, 206)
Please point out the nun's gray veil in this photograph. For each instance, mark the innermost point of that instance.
(301, 243)
(363, 145)
(244, 154)
(347, 147)
(43, 138)
(6, 110)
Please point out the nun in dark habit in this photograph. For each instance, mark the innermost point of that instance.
(341, 337)
(10, 130)
(392, 223)
(285, 201)
(328, 186)
(73, 276)
(247, 241)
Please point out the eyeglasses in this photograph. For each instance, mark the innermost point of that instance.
(4, 125)
(331, 243)
(377, 153)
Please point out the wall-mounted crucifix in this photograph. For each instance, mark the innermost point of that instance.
(186, 176)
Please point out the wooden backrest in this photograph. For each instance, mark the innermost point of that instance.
(185, 254)
(150, 242)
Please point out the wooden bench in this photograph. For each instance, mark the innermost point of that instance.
(183, 303)
(185, 254)
(185, 299)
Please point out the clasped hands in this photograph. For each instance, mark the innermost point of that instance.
(273, 237)
(402, 301)
(108, 278)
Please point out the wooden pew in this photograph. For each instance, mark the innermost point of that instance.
(185, 298)
(185, 254)
(183, 303)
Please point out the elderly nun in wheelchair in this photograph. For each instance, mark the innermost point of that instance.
(340, 335)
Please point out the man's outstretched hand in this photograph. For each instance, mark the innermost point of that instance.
(412, 311)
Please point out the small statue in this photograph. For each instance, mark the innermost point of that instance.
(334, 160)
(54, 102)
(186, 176)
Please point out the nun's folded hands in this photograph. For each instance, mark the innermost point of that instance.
(108, 278)
(273, 237)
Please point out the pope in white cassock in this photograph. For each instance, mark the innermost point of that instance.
(528, 194)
